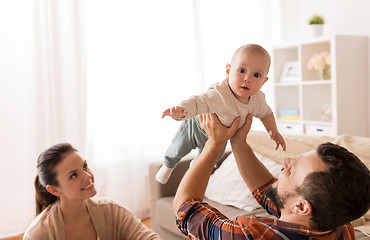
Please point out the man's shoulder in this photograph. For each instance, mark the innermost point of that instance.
(255, 225)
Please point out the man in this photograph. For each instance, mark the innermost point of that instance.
(316, 196)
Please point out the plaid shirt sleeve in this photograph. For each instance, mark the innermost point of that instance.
(198, 220)
(259, 195)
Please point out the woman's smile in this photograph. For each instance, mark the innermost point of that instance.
(89, 187)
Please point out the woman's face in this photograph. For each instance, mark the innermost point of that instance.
(76, 181)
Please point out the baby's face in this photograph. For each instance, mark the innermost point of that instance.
(247, 74)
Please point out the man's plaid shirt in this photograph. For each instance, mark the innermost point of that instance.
(198, 220)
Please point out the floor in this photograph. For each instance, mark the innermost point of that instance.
(147, 222)
(18, 237)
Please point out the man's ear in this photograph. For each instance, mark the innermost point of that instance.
(51, 189)
(301, 207)
(228, 66)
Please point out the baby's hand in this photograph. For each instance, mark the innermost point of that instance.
(176, 113)
(275, 135)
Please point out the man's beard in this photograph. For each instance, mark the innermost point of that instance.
(272, 194)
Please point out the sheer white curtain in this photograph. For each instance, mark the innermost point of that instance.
(98, 74)
(142, 57)
(42, 98)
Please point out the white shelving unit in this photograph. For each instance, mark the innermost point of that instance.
(345, 94)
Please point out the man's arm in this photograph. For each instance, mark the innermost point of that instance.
(195, 180)
(254, 173)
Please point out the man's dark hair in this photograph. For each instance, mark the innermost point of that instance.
(341, 193)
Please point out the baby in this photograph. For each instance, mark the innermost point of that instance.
(238, 95)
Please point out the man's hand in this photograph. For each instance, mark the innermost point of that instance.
(217, 133)
(241, 134)
(275, 135)
(177, 113)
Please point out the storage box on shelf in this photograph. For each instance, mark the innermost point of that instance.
(330, 107)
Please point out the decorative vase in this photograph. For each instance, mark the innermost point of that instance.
(325, 73)
(317, 29)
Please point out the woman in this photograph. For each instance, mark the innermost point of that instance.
(64, 185)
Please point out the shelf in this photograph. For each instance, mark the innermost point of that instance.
(317, 82)
(311, 82)
(319, 100)
(279, 120)
(323, 123)
(283, 84)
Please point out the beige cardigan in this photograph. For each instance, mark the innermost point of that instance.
(111, 221)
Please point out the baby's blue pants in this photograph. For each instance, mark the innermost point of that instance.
(189, 136)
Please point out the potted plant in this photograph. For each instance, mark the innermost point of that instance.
(316, 22)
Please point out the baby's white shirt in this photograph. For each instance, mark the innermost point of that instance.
(220, 99)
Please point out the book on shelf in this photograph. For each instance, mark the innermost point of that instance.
(289, 117)
(289, 112)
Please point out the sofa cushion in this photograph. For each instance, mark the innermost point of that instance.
(295, 144)
(166, 216)
(227, 187)
(360, 146)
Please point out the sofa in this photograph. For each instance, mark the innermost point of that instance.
(161, 196)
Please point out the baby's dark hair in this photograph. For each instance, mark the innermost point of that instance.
(46, 175)
(339, 195)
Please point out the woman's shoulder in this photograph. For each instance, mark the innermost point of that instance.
(48, 223)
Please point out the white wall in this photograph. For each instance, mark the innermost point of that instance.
(341, 17)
